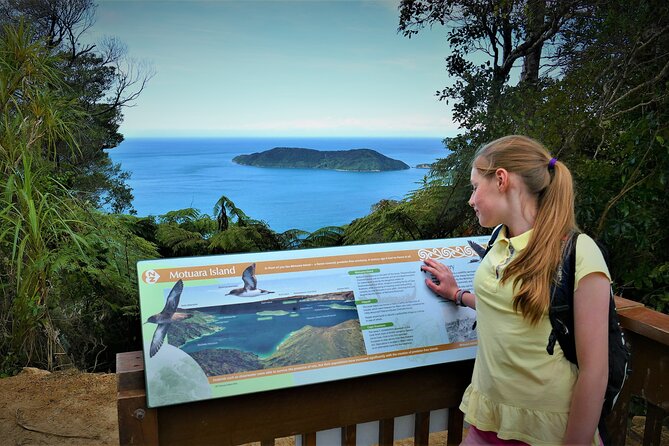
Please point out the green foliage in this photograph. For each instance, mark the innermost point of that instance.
(184, 232)
(187, 232)
(239, 239)
(9, 365)
(292, 238)
(226, 211)
(34, 119)
(71, 271)
(180, 241)
(324, 237)
(92, 174)
(68, 279)
(486, 40)
(33, 223)
(658, 282)
(97, 311)
(70, 276)
(389, 221)
(80, 111)
(602, 110)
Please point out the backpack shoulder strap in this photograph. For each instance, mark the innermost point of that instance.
(561, 309)
(493, 237)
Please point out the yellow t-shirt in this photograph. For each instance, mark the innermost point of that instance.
(518, 390)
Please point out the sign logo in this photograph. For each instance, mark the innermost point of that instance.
(151, 276)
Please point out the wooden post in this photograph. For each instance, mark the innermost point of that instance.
(421, 430)
(137, 424)
(455, 423)
(309, 439)
(348, 435)
(386, 432)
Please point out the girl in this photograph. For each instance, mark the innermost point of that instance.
(519, 393)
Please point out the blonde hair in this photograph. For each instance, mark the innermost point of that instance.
(534, 267)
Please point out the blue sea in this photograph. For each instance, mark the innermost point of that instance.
(176, 173)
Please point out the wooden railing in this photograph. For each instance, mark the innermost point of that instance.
(344, 404)
(648, 333)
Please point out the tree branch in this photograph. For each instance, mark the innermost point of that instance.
(663, 73)
(627, 187)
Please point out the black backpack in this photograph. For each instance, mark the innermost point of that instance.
(561, 315)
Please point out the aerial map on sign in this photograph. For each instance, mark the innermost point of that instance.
(232, 324)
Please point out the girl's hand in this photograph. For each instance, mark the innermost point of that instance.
(447, 286)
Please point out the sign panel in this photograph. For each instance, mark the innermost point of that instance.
(227, 325)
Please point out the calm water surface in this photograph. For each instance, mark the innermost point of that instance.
(177, 173)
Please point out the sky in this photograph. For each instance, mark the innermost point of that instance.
(279, 68)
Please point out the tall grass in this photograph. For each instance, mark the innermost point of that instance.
(34, 223)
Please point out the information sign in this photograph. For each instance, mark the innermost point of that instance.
(227, 325)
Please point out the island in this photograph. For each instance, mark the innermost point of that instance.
(357, 160)
(424, 166)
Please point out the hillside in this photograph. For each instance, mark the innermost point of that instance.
(358, 160)
(199, 324)
(313, 344)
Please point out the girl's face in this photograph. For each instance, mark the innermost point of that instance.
(485, 199)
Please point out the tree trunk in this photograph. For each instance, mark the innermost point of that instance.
(536, 12)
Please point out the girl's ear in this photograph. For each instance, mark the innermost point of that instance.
(502, 179)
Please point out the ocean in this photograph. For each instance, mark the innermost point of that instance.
(176, 173)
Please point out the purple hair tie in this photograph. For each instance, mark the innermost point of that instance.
(551, 163)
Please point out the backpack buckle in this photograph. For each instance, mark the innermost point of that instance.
(564, 331)
(550, 348)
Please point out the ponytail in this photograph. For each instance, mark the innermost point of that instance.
(533, 269)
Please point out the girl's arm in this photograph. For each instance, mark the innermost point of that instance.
(447, 285)
(591, 314)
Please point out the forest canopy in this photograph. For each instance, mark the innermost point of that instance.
(587, 78)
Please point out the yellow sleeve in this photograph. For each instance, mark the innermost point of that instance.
(589, 259)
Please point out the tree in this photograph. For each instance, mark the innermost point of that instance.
(100, 80)
(623, 174)
(598, 101)
(487, 39)
(66, 275)
(60, 22)
(225, 210)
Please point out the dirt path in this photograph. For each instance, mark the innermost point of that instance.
(63, 408)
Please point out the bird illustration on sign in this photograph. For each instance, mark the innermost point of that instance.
(250, 284)
(167, 317)
(478, 249)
